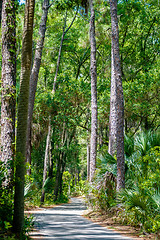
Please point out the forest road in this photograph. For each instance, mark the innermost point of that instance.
(65, 222)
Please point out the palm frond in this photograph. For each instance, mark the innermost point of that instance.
(133, 198)
(107, 163)
(128, 145)
(142, 142)
(156, 199)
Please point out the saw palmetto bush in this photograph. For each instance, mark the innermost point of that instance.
(101, 194)
(140, 203)
(141, 207)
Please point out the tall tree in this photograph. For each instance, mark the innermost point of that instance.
(112, 116)
(18, 219)
(34, 77)
(118, 96)
(93, 72)
(46, 159)
(8, 98)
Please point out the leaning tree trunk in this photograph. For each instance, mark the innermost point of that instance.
(119, 97)
(8, 98)
(93, 71)
(34, 78)
(18, 220)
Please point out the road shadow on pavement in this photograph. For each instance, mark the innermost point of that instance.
(66, 223)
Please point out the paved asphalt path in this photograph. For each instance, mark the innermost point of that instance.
(65, 222)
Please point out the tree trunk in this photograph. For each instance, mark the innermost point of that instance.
(46, 160)
(112, 116)
(56, 188)
(88, 161)
(61, 174)
(93, 71)
(18, 219)
(8, 98)
(119, 97)
(60, 163)
(34, 78)
(51, 146)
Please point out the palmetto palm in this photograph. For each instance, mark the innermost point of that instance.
(135, 149)
(146, 140)
(143, 203)
(140, 202)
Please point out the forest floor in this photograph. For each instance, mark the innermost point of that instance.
(108, 222)
(66, 222)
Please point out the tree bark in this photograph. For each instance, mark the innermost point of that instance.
(57, 183)
(8, 97)
(93, 72)
(112, 116)
(88, 160)
(60, 163)
(18, 219)
(119, 105)
(51, 146)
(88, 146)
(61, 174)
(34, 78)
(46, 160)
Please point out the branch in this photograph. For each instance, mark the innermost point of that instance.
(71, 22)
(60, 49)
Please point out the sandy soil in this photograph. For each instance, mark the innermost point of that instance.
(109, 223)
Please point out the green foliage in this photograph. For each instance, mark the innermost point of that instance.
(62, 199)
(28, 224)
(6, 208)
(67, 183)
(139, 204)
(128, 146)
(141, 198)
(106, 163)
(65, 5)
(142, 208)
(73, 186)
(32, 193)
(6, 213)
(49, 184)
(6, 204)
(101, 194)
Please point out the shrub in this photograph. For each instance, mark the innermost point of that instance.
(141, 207)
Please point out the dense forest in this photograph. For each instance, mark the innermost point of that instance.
(80, 109)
